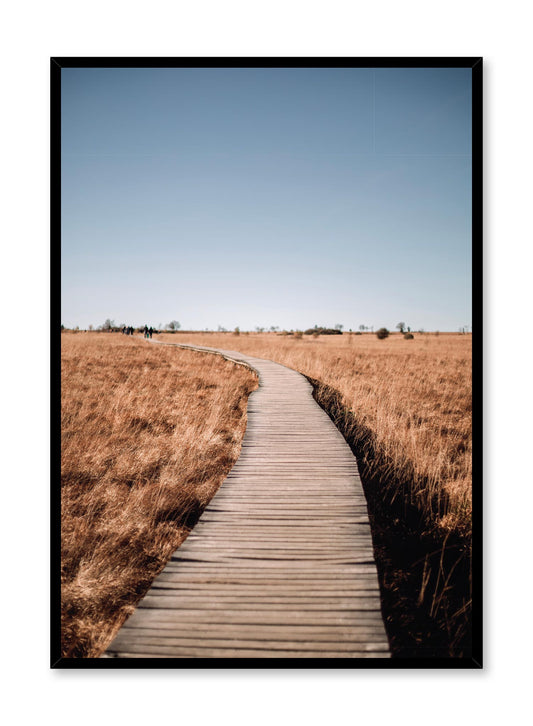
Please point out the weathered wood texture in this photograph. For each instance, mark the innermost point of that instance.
(280, 565)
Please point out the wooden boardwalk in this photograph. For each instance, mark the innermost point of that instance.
(280, 565)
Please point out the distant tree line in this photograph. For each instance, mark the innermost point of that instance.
(323, 331)
(109, 326)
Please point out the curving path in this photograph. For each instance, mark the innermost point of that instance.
(280, 564)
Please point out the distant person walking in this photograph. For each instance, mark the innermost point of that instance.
(150, 331)
(145, 331)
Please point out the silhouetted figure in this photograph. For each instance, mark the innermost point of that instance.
(150, 331)
(145, 331)
(124, 330)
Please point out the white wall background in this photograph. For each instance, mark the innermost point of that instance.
(30, 33)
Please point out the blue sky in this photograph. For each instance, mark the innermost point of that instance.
(259, 197)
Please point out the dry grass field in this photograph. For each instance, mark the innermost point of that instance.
(148, 434)
(405, 406)
(413, 397)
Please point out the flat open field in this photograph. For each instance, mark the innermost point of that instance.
(149, 433)
(405, 407)
(413, 398)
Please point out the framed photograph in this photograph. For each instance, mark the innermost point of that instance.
(265, 277)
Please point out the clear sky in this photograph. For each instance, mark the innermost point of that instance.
(260, 197)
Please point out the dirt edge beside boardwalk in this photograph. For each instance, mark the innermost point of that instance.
(425, 574)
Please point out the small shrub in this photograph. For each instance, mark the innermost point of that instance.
(298, 334)
(408, 336)
(382, 333)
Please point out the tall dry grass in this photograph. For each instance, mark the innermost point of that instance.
(148, 434)
(405, 407)
(413, 398)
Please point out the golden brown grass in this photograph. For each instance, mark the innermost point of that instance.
(148, 434)
(411, 398)
(405, 408)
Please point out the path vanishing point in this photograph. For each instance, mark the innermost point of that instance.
(280, 564)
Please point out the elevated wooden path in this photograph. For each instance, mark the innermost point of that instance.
(280, 565)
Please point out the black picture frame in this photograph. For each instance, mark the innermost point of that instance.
(476, 66)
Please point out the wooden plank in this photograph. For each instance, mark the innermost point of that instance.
(277, 569)
(167, 601)
(283, 644)
(197, 618)
(305, 633)
(282, 581)
(315, 591)
(278, 563)
(263, 570)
